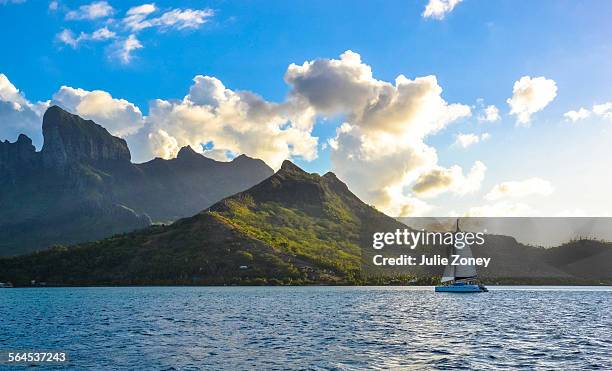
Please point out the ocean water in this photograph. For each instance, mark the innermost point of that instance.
(312, 327)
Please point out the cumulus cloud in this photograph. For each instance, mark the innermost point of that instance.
(118, 116)
(438, 9)
(574, 116)
(163, 144)
(439, 180)
(17, 114)
(9, 93)
(489, 114)
(380, 149)
(234, 122)
(379, 108)
(97, 9)
(520, 189)
(531, 95)
(466, 140)
(603, 110)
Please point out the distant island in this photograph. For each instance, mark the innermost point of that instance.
(238, 223)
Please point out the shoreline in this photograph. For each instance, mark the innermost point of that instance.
(313, 285)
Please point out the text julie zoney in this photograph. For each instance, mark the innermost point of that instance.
(430, 260)
(413, 239)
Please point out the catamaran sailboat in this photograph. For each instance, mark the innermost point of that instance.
(460, 278)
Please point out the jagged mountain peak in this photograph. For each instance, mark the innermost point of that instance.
(56, 110)
(294, 187)
(16, 155)
(24, 139)
(187, 152)
(68, 138)
(289, 166)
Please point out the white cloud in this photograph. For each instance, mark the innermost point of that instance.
(574, 116)
(97, 9)
(123, 49)
(439, 180)
(531, 95)
(103, 34)
(142, 9)
(466, 140)
(137, 18)
(603, 110)
(520, 189)
(438, 9)
(118, 116)
(9, 93)
(125, 29)
(380, 149)
(490, 114)
(234, 121)
(163, 144)
(17, 114)
(68, 37)
(183, 18)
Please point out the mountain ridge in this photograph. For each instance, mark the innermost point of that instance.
(82, 185)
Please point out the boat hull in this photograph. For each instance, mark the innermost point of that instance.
(461, 288)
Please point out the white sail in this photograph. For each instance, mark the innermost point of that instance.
(449, 270)
(464, 271)
(449, 274)
(457, 272)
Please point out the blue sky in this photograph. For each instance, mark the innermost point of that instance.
(478, 50)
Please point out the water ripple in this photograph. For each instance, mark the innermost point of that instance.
(312, 327)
